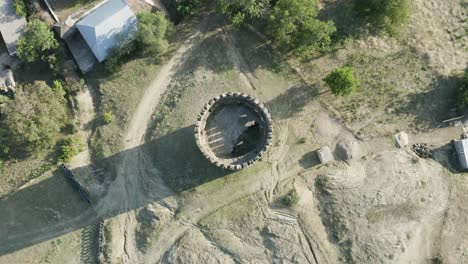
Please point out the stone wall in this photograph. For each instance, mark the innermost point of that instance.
(247, 159)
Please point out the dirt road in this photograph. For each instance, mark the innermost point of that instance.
(125, 193)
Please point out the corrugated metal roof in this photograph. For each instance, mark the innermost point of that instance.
(11, 25)
(461, 146)
(106, 26)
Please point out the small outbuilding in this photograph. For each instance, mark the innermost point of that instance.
(461, 147)
(12, 26)
(106, 26)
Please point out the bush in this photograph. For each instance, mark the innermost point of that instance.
(20, 8)
(37, 42)
(107, 118)
(152, 33)
(180, 9)
(32, 123)
(240, 11)
(68, 148)
(341, 81)
(294, 26)
(291, 198)
(385, 15)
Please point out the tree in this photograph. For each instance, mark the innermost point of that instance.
(32, 122)
(152, 33)
(240, 11)
(68, 148)
(294, 26)
(38, 40)
(341, 81)
(385, 15)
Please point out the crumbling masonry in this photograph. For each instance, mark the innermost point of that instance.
(233, 131)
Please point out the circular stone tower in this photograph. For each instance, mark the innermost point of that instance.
(233, 130)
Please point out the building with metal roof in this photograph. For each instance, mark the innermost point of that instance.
(12, 26)
(461, 146)
(106, 26)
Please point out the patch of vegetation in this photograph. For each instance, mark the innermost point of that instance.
(437, 260)
(32, 123)
(242, 11)
(37, 43)
(40, 171)
(385, 15)
(20, 8)
(294, 26)
(302, 141)
(68, 148)
(179, 9)
(120, 94)
(291, 199)
(153, 29)
(341, 81)
(107, 118)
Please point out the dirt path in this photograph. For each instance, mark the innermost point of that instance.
(125, 193)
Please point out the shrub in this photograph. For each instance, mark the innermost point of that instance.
(32, 123)
(37, 42)
(341, 81)
(294, 26)
(302, 141)
(20, 8)
(291, 198)
(152, 33)
(385, 15)
(240, 11)
(180, 9)
(107, 118)
(68, 148)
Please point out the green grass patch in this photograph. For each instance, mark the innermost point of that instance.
(120, 95)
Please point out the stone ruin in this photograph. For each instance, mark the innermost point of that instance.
(233, 131)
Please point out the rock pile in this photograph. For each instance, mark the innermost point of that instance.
(422, 150)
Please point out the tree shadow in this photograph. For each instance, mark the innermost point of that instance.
(431, 107)
(291, 102)
(345, 18)
(52, 207)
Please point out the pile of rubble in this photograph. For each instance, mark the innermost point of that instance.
(422, 150)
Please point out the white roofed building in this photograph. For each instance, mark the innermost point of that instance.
(12, 26)
(106, 26)
(461, 146)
